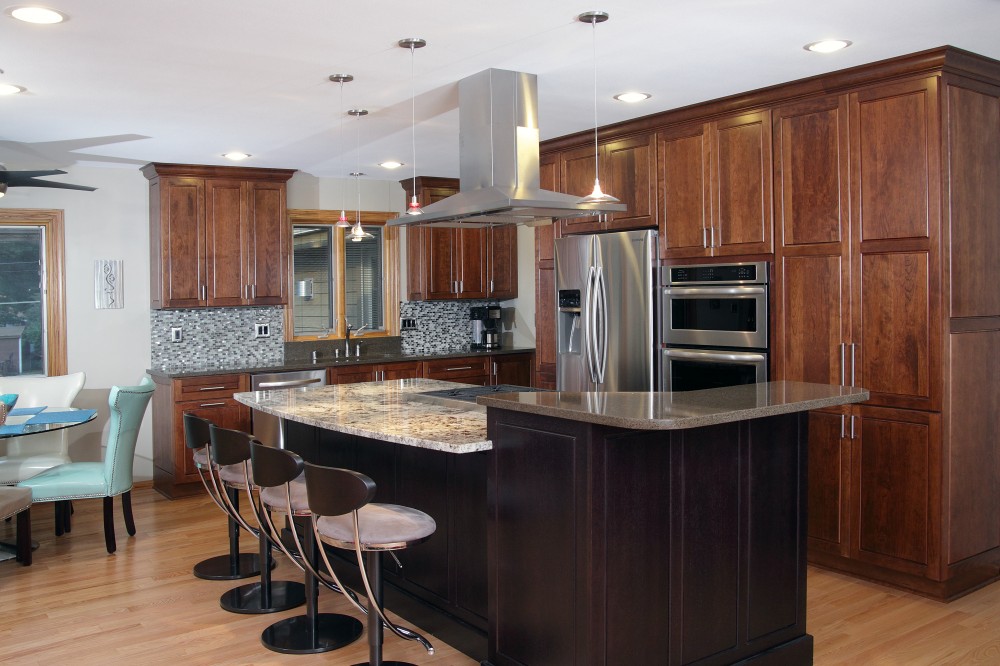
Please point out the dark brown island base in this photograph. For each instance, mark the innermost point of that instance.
(621, 527)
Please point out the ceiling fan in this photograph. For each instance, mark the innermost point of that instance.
(31, 179)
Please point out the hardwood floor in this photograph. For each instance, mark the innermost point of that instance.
(80, 605)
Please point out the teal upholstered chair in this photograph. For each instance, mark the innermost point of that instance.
(113, 476)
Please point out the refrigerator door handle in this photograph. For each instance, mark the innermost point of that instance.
(588, 330)
(602, 294)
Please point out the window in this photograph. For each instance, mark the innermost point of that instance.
(32, 312)
(336, 282)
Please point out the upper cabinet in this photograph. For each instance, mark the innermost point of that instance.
(714, 187)
(218, 236)
(627, 172)
(456, 263)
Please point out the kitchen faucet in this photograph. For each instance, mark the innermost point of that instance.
(347, 340)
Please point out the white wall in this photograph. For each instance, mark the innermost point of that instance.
(112, 346)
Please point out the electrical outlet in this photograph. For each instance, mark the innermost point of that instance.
(176, 334)
(262, 330)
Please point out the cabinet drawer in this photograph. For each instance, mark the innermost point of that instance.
(471, 370)
(212, 387)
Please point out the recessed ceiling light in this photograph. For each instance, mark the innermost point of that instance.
(632, 97)
(8, 89)
(390, 164)
(827, 45)
(37, 15)
(236, 156)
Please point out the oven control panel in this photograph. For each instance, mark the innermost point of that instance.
(742, 273)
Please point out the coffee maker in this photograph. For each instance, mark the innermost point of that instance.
(486, 326)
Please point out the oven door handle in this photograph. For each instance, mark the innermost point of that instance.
(688, 292)
(738, 357)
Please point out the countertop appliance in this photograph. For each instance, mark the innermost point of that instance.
(605, 285)
(266, 427)
(713, 325)
(467, 394)
(486, 326)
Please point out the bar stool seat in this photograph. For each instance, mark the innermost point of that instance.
(382, 527)
(234, 476)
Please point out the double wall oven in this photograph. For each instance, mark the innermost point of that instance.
(713, 325)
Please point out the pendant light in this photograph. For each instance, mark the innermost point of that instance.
(413, 43)
(357, 234)
(342, 79)
(597, 196)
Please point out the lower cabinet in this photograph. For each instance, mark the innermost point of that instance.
(470, 370)
(375, 372)
(873, 495)
(210, 397)
(514, 369)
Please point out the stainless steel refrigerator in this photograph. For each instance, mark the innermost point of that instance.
(604, 322)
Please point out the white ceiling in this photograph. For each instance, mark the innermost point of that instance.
(125, 82)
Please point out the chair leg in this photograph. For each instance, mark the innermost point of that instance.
(127, 512)
(67, 513)
(109, 524)
(24, 537)
(60, 508)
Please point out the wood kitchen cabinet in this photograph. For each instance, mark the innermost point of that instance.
(458, 263)
(545, 283)
(513, 369)
(861, 180)
(210, 397)
(714, 187)
(627, 172)
(218, 236)
(466, 370)
(374, 372)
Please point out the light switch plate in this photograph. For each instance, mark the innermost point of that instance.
(262, 330)
(176, 334)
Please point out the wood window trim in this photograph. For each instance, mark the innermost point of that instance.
(390, 263)
(55, 277)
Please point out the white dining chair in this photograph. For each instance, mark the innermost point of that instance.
(29, 455)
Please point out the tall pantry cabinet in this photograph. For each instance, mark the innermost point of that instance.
(887, 218)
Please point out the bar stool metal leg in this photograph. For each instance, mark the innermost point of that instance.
(235, 565)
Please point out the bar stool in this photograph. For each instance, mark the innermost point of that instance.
(235, 565)
(344, 517)
(277, 474)
(230, 452)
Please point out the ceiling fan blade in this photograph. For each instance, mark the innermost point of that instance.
(15, 178)
(32, 182)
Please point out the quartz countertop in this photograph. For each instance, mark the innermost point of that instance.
(397, 411)
(674, 411)
(171, 372)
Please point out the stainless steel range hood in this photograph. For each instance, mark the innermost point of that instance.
(498, 160)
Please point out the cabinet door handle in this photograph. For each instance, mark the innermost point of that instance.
(253, 291)
(494, 368)
(461, 286)
(491, 286)
(464, 367)
(852, 380)
(852, 426)
(843, 426)
(712, 231)
(211, 388)
(704, 237)
(212, 404)
(204, 292)
(843, 368)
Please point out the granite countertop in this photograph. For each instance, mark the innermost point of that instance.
(393, 411)
(674, 411)
(396, 411)
(171, 372)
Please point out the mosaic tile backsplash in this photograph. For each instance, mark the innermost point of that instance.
(442, 326)
(217, 337)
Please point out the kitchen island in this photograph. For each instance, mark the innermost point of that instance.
(622, 527)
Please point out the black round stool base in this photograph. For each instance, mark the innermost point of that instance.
(247, 599)
(220, 567)
(388, 663)
(294, 635)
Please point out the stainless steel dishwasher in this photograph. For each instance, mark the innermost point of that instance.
(266, 427)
